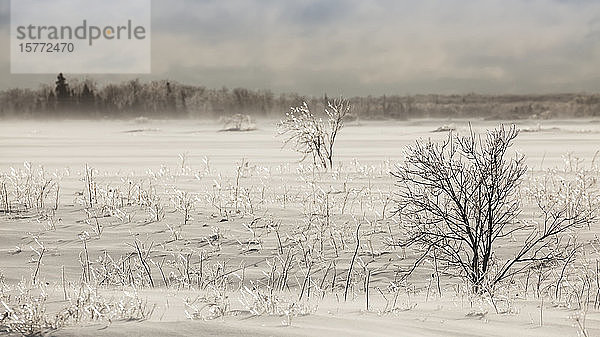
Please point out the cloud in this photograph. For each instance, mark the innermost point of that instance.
(376, 47)
(4, 13)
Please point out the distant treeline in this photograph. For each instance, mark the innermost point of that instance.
(163, 99)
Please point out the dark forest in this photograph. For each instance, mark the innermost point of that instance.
(74, 98)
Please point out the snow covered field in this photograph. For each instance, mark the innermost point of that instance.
(226, 218)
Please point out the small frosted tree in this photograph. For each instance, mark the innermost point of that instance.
(312, 136)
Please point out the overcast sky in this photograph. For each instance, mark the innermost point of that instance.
(358, 47)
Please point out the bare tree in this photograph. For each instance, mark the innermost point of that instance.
(310, 135)
(458, 203)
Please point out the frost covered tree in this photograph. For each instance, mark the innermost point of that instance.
(315, 136)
